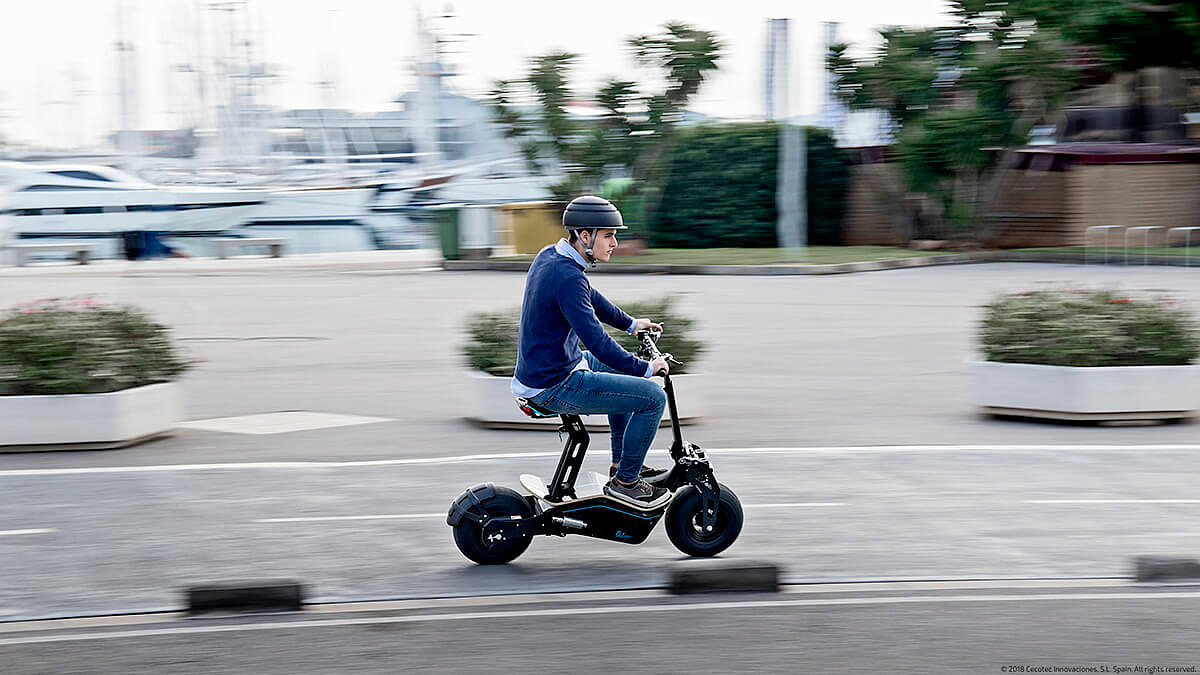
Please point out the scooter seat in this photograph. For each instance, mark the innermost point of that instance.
(534, 410)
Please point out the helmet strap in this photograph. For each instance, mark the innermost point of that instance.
(587, 246)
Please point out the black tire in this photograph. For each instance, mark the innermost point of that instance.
(468, 535)
(683, 522)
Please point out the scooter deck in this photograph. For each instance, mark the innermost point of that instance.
(589, 491)
(589, 484)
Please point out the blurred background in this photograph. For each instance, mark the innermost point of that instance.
(344, 126)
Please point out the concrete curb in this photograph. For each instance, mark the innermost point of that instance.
(1161, 568)
(739, 578)
(734, 270)
(247, 596)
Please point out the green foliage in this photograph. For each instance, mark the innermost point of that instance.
(1130, 35)
(548, 78)
(686, 55)
(981, 83)
(721, 190)
(1088, 328)
(636, 126)
(491, 344)
(622, 193)
(957, 95)
(82, 347)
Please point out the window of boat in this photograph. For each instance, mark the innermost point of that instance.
(82, 175)
(61, 188)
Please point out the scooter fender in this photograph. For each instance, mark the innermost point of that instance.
(469, 504)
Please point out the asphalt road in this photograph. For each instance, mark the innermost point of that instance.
(91, 541)
(953, 629)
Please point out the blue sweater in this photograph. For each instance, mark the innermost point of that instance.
(561, 309)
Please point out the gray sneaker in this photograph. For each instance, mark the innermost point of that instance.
(641, 494)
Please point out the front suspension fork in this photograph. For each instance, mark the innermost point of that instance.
(699, 474)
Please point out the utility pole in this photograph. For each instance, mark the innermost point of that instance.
(127, 134)
(791, 227)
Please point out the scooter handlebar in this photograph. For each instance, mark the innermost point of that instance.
(649, 348)
(648, 340)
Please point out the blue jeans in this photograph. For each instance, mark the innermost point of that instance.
(634, 406)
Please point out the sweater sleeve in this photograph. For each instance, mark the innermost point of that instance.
(575, 301)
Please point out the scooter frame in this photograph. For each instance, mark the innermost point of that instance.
(598, 516)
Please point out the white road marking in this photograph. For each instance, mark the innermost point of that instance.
(314, 519)
(1112, 501)
(585, 611)
(13, 533)
(455, 459)
(280, 422)
(239, 466)
(788, 505)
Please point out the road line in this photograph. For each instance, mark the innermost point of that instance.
(788, 505)
(314, 519)
(1112, 501)
(456, 459)
(13, 533)
(585, 611)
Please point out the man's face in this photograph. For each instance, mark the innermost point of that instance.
(605, 244)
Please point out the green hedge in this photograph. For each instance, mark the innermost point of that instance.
(80, 346)
(720, 190)
(1087, 328)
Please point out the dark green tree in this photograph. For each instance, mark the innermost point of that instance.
(721, 190)
(631, 136)
(687, 56)
(962, 96)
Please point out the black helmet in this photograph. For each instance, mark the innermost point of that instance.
(592, 213)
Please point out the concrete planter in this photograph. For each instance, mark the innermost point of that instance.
(494, 407)
(1102, 393)
(88, 421)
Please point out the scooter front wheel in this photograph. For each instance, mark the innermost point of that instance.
(685, 525)
(468, 535)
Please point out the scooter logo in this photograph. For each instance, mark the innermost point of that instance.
(622, 535)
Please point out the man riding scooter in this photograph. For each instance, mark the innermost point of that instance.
(561, 309)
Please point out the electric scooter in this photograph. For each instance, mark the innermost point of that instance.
(493, 524)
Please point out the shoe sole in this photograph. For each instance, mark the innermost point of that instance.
(638, 504)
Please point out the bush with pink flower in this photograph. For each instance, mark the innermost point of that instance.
(82, 346)
(1088, 328)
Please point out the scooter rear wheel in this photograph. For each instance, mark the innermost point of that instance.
(684, 522)
(468, 535)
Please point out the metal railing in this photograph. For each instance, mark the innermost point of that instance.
(1087, 237)
(1145, 229)
(1187, 246)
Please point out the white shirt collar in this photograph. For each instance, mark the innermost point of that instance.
(564, 249)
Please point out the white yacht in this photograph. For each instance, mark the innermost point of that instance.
(99, 202)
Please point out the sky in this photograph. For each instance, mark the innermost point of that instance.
(59, 74)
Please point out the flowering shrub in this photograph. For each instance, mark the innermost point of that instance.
(80, 346)
(492, 337)
(1088, 328)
